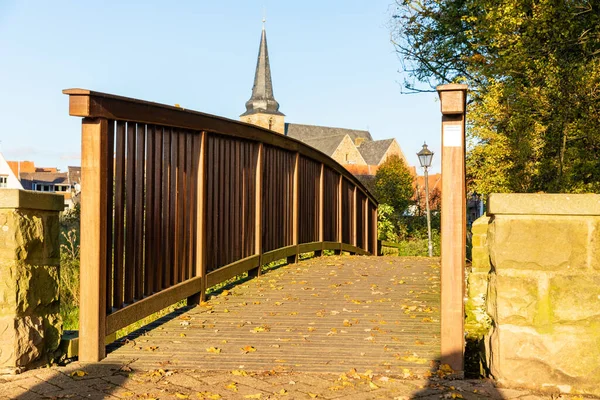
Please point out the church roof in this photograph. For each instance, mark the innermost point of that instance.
(309, 132)
(327, 145)
(373, 151)
(262, 99)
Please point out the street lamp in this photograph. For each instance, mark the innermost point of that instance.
(425, 157)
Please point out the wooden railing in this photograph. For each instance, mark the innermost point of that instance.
(175, 201)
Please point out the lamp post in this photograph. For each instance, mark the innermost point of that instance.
(425, 157)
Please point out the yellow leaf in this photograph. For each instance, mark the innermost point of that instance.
(127, 394)
(239, 372)
(347, 323)
(313, 395)
(208, 395)
(79, 373)
(232, 386)
(225, 310)
(253, 396)
(248, 349)
(373, 386)
(283, 391)
(312, 329)
(225, 293)
(182, 334)
(278, 303)
(215, 350)
(181, 396)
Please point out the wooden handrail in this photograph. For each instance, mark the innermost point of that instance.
(91, 104)
(175, 201)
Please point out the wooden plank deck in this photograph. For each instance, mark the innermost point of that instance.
(326, 314)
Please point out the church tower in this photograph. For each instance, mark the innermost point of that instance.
(262, 109)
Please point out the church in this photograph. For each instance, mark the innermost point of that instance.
(354, 149)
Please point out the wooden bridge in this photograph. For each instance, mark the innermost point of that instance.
(176, 201)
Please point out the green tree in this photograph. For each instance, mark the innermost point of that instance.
(533, 68)
(394, 184)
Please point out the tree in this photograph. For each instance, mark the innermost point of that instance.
(394, 184)
(533, 68)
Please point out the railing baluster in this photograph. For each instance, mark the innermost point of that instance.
(149, 240)
(138, 292)
(119, 217)
(130, 252)
(110, 162)
(200, 264)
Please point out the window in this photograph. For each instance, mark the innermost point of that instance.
(3, 181)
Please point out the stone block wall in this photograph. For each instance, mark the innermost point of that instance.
(30, 324)
(542, 290)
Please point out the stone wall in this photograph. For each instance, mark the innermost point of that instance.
(30, 324)
(268, 121)
(542, 290)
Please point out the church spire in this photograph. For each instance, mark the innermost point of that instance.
(262, 100)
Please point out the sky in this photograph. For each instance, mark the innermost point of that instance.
(332, 64)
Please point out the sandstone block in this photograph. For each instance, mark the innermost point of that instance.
(567, 357)
(37, 288)
(575, 297)
(538, 243)
(516, 300)
(480, 225)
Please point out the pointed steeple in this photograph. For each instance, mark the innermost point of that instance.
(262, 100)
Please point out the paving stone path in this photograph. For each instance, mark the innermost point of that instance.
(330, 328)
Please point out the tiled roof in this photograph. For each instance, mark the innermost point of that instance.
(53, 178)
(327, 144)
(309, 132)
(373, 151)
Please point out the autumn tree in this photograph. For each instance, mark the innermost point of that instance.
(394, 184)
(533, 68)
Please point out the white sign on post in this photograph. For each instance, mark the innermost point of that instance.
(452, 136)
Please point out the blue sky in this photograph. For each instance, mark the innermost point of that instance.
(332, 64)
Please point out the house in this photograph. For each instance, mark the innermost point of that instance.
(8, 179)
(49, 180)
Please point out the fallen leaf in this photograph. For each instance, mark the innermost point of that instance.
(239, 372)
(253, 396)
(232, 386)
(208, 395)
(313, 395)
(248, 349)
(181, 395)
(79, 373)
(373, 386)
(215, 350)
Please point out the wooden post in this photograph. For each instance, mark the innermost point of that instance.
(319, 253)
(340, 216)
(453, 220)
(295, 213)
(366, 226)
(375, 231)
(94, 177)
(354, 238)
(200, 267)
(258, 213)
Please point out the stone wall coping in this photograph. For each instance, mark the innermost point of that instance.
(543, 204)
(18, 198)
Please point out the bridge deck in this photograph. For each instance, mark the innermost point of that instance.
(327, 314)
